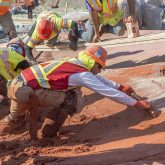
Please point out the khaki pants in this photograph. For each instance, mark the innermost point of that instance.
(22, 98)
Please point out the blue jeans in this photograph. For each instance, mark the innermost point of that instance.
(88, 35)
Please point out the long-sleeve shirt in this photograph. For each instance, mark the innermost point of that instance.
(102, 86)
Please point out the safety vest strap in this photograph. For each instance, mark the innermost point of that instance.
(109, 7)
(95, 4)
(40, 75)
(67, 24)
(5, 4)
(51, 67)
(5, 59)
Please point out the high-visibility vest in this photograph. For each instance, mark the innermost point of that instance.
(9, 59)
(109, 12)
(51, 75)
(4, 6)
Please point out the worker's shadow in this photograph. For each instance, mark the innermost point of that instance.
(130, 63)
(124, 53)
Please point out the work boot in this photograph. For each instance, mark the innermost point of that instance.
(5, 102)
(52, 123)
(10, 125)
(7, 125)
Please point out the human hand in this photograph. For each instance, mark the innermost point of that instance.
(96, 38)
(146, 106)
(126, 89)
(130, 19)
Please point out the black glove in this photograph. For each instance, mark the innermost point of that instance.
(22, 65)
(73, 45)
(73, 37)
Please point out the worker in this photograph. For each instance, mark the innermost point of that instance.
(106, 17)
(12, 62)
(52, 84)
(6, 20)
(47, 27)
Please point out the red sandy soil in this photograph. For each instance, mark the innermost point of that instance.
(104, 133)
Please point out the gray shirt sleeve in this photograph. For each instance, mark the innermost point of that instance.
(102, 86)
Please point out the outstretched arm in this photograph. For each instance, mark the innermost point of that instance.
(95, 19)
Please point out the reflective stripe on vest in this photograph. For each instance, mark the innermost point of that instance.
(109, 7)
(95, 4)
(4, 3)
(40, 76)
(5, 58)
(67, 24)
(51, 67)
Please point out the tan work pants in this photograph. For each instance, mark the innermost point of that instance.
(24, 98)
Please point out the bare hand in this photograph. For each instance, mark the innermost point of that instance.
(96, 38)
(130, 19)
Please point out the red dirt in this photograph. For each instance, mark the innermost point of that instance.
(103, 133)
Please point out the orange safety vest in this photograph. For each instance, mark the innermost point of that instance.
(51, 75)
(4, 6)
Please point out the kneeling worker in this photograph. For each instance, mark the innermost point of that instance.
(12, 62)
(47, 27)
(53, 84)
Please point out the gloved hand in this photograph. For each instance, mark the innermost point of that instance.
(73, 37)
(73, 45)
(146, 106)
(126, 89)
(143, 105)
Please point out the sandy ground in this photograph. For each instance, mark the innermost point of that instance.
(104, 132)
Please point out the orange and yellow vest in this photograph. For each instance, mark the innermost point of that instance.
(51, 75)
(9, 60)
(4, 6)
(109, 12)
(58, 23)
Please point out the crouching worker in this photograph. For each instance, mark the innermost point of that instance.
(12, 62)
(53, 84)
(46, 28)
